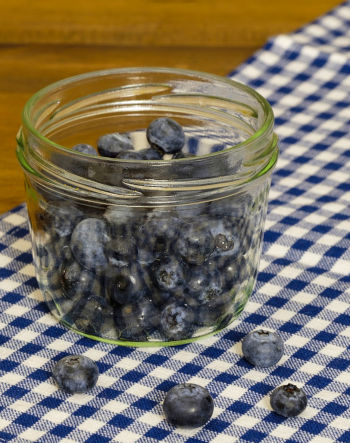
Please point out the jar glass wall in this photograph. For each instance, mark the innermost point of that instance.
(147, 252)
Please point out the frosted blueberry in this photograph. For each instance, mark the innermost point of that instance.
(125, 284)
(262, 348)
(88, 244)
(166, 134)
(59, 218)
(195, 244)
(288, 400)
(75, 374)
(177, 321)
(188, 405)
(136, 320)
(151, 154)
(169, 274)
(110, 145)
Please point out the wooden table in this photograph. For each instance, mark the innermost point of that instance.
(43, 41)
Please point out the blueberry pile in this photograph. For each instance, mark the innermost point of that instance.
(164, 135)
(138, 274)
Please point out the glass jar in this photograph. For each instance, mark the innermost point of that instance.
(147, 252)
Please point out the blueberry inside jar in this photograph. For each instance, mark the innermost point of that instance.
(147, 194)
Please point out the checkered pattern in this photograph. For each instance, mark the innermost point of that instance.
(302, 291)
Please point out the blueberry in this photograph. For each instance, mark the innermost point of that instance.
(161, 298)
(122, 220)
(226, 239)
(151, 154)
(176, 321)
(77, 280)
(136, 320)
(121, 251)
(88, 244)
(234, 270)
(195, 244)
(168, 274)
(58, 219)
(156, 235)
(126, 284)
(89, 314)
(205, 294)
(188, 405)
(131, 155)
(288, 400)
(85, 149)
(110, 145)
(166, 134)
(262, 348)
(75, 374)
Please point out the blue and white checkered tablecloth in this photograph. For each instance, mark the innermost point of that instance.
(302, 291)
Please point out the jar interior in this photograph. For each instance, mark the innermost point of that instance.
(204, 134)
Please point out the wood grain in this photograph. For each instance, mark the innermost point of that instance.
(181, 23)
(43, 41)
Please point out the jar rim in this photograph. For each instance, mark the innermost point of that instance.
(264, 127)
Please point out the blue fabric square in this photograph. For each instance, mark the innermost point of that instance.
(6, 273)
(51, 402)
(26, 420)
(145, 404)
(61, 430)
(277, 302)
(190, 369)
(110, 393)
(85, 411)
(341, 364)
(239, 407)
(133, 376)
(16, 392)
(330, 293)
(310, 310)
(217, 425)
(297, 285)
(54, 331)
(335, 409)
(8, 365)
(304, 354)
(291, 327)
(120, 421)
(345, 437)
(254, 436)
(325, 336)
(319, 382)
(313, 427)
(261, 388)
(343, 319)
(302, 244)
(227, 378)
(6, 436)
(283, 372)
(157, 433)
(156, 359)
(21, 322)
(31, 348)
